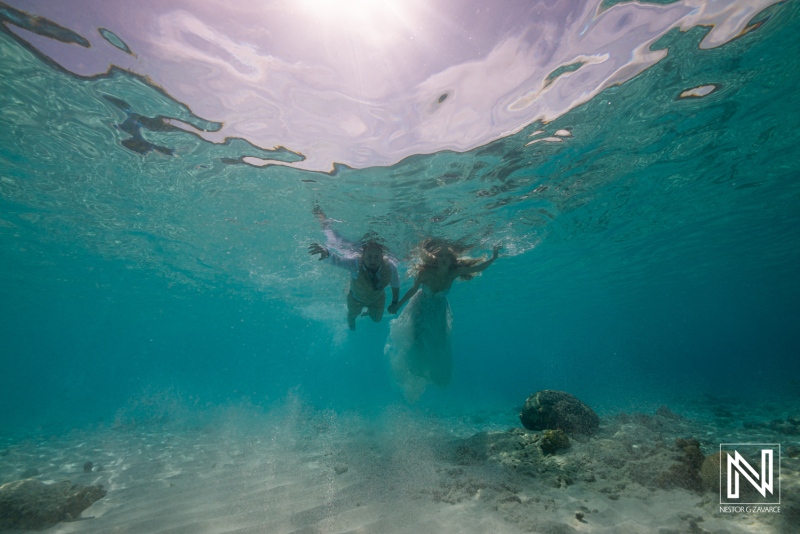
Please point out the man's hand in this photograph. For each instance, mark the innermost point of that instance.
(316, 248)
(496, 251)
(393, 307)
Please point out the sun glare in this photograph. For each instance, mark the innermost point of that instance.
(376, 21)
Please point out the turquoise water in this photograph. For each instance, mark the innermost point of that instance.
(649, 258)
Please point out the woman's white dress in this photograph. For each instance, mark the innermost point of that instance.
(420, 343)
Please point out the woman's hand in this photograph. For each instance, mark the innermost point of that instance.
(316, 248)
(496, 251)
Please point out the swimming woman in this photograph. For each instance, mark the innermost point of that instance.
(420, 345)
(440, 268)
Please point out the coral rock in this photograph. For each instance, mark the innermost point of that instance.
(551, 410)
(685, 473)
(553, 440)
(30, 504)
(710, 472)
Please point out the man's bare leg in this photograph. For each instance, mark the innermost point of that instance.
(353, 310)
(376, 309)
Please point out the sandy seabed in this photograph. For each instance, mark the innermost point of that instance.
(294, 469)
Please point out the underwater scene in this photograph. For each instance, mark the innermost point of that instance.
(400, 266)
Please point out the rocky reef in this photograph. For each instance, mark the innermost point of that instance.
(29, 504)
(553, 441)
(657, 452)
(557, 410)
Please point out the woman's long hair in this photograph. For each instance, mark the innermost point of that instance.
(431, 250)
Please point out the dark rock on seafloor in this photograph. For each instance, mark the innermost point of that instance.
(32, 505)
(711, 474)
(553, 440)
(551, 410)
(685, 472)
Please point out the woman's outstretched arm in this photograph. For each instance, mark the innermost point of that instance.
(410, 293)
(481, 266)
